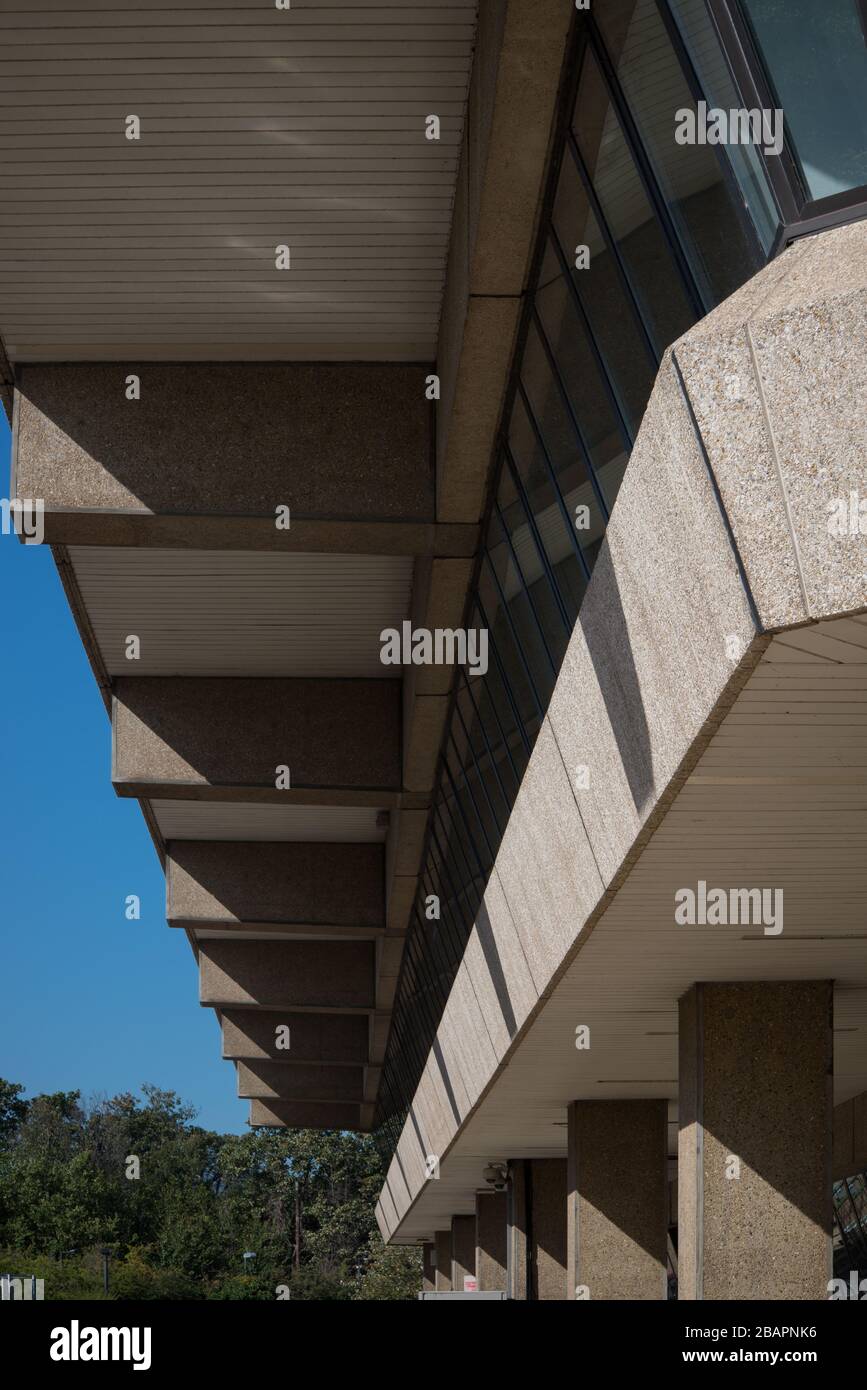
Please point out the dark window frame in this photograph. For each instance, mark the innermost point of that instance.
(799, 214)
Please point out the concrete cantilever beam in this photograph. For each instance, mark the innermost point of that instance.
(323, 976)
(250, 1035)
(212, 739)
(264, 886)
(309, 1114)
(299, 1081)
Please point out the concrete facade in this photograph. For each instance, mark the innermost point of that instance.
(681, 634)
(430, 396)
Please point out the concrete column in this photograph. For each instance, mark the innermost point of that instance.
(536, 1245)
(443, 1248)
(463, 1251)
(491, 1229)
(428, 1267)
(754, 1184)
(617, 1203)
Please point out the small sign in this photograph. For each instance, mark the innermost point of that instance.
(471, 1283)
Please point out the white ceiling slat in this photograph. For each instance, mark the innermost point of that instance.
(204, 820)
(260, 127)
(260, 613)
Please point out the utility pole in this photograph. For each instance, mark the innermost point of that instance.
(297, 1260)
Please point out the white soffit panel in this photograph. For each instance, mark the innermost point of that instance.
(203, 820)
(242, 613)
(259, 127)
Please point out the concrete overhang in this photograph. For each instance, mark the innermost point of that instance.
(298, 1114)
(238, 739)
(256, 887)
(299, 1081)
(211, 456)
(318, 976)
(336, 1039)
(160, 508)
(714, 688)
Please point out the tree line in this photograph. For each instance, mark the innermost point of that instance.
(133, 1184)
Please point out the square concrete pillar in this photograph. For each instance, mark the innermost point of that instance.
(443, 1249)
(491, 1229)
(617, 1206)
(536, 1245)
(463, 1252)
(428, 1267)
(754, 1164)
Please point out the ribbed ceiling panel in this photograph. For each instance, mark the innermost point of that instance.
(260, 127)
(250, 613)
(201, 820)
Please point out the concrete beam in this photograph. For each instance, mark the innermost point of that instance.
(389, 951)
(212, 739)
(299, 1081)
(302, 1114)
(317, 975)
(267, 886)
(210, 450)
(251, 1035)
(380, 1023)
(519, 54)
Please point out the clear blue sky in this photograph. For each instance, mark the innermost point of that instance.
(88, 1000)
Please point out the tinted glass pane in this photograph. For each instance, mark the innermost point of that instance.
(611, 318)
(581, 377)
(703, 46)
(524, 567)
(815, 52)
(568, 461)
(690, 176)
(550, 525)
(625, 207)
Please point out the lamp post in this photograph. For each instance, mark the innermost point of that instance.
(248, 1255)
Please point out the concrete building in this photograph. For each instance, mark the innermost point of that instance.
(541, 324)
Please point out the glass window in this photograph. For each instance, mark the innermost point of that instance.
(647, 257)
(703, 47)
(580, 373)
(720, 254)
(610, 315)
(815, 53)
(576, 482)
